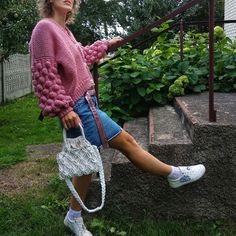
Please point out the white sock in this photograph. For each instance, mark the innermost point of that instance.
(175, 173)
(73, 215)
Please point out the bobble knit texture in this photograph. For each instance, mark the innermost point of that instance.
(60, 70)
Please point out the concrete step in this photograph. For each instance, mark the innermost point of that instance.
(194, 113)
(138, 128)
(168, 138)
(116, 164)
(106, 155)
(214, 146)
(134, 192)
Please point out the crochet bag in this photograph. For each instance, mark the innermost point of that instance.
(79, 157)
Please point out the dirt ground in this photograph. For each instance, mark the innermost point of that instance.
(33, 173)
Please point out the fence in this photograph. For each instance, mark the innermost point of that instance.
(15, 77)
(230, 8)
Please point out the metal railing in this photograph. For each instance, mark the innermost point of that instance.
(185, 7)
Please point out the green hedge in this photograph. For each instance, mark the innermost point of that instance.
(138, 79)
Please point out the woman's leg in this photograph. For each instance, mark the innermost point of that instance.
(125, 143)
(73, 219)
(81, 185)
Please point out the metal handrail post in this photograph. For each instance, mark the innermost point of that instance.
(181, 38)
(212, 112)
(95, 78)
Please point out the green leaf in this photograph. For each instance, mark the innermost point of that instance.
(156, 73)
(171, 77)
(192, 55)
(141, 91)
(201, 71)
(136, 81)
(97, 223)
(222, 77)
(158, 86)
(193, 78)
(232, 73)
(157, 97)
(147, 78)
(150, 90)
(183, 66)
(112, 229)
(122, 233)
(230, 67)
(135, 74)
(216, 86)
(199, 88)
(127, 66)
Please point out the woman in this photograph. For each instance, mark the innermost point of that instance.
(64, 86)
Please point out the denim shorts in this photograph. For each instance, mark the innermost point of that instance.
(111, 128)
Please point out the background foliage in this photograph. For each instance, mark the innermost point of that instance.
(96, 19)
(17, 19)
(139, 79)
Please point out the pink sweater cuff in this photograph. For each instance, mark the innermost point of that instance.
(96, 51)
(65, 112)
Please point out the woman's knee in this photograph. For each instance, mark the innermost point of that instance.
(123, 142)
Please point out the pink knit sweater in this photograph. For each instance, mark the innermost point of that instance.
(60, 67)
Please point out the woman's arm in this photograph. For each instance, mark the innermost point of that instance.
(97, 50)
(47, 82)
(48, 87)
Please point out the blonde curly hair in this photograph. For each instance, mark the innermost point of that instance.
(45, 10)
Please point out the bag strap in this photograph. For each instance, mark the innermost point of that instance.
(102, 182)
(97, 120)
(77, 197)
(81, 130)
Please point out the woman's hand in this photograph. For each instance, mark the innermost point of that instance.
(71, 120)
(115, 40)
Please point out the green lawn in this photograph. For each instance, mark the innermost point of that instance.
(19, 126)
(40, 211)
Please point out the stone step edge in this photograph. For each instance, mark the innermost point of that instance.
(118, 157)
(187, 119)
(152, 130)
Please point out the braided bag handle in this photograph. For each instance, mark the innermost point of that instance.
(101, 176)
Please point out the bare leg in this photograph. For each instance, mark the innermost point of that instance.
(81, 185)
(125, 143)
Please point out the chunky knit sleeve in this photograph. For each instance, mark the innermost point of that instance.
(49, 89)
(95, 52)
(47, 82)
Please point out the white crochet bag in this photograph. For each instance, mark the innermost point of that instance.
(79, 157)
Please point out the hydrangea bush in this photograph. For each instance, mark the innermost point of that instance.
(139, 79)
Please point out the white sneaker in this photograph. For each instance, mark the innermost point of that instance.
(77, 227)
(189, 175)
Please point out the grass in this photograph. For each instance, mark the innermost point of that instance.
(40, 210)
(19, 126)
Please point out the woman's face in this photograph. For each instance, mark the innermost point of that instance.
(62, 6)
